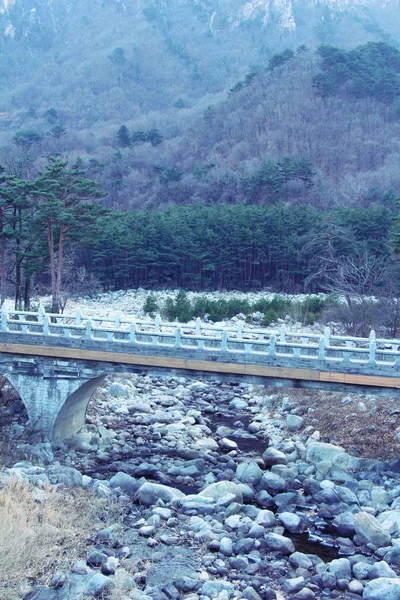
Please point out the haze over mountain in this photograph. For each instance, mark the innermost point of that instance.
(74, 72)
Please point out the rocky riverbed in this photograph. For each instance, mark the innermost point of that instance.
(228, 491)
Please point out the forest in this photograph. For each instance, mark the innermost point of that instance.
(276, 170)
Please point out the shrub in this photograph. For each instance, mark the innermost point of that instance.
(150, 306)
(180, 308)
(270, 316)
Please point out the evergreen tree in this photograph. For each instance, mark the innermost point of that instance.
(123, 137)
(60, 192)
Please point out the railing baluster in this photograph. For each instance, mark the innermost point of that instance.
(198, 326)
(157, 322)
(41, 313)
(46, 325)
(372, 353)
(3, 321)
(272, 345)
(321, 348)
(88, 330)
(178, 334)
(132, 334)
(224, 341)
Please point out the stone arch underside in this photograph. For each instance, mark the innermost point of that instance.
(72, 416)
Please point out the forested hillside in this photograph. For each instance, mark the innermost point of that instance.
(206, 93)
(198, 144)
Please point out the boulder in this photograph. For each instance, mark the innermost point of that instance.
(249, 473)
(149, 493)
(65, 475)
(383, 588)
(279, 543)
(220, 489)
(370, 531)
(125, 482)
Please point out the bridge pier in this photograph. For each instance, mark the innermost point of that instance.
(56, 406)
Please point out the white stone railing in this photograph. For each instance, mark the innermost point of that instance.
(203, 337)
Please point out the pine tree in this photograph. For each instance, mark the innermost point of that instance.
(61, 192)
(123, 137)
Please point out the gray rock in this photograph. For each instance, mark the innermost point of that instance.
(381, 569)
(290, 521)
(382, 589)
(127, 483)
(393, 556)
(300, 560)
(110, 565)
(249, 473)
(273, 483)
(291, 586)
(250, 593)
(98, 585)
(279, 543)
(65, 475)
(220, 489)
(149, 493)
(266, 518)
(340, 568)
(226, 546)
(271, 457)
(213, 588)
(370, 531)
(185, 584)
(294, 422)
(96, 558)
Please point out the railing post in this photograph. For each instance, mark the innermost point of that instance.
(46, 325)
(372, 349)
(88, 330)
(240, 330)
(117, 320)
(272, 345)
(327, 336)
(78, 317)
(132, 334)
(321, 348)
(157, 322)
(41, 313)
(178, 337)
(282, 332)
(224, 341)
(4, 321)
(198, 326)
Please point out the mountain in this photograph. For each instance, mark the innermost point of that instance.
(75, 71)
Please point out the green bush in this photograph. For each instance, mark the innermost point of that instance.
(270, 315)
(217, 310)
(180, 308)
(150, 306)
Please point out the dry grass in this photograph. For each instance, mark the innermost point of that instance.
(40, 530)
(365, 425)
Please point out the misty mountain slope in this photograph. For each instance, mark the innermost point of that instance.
(74, 72)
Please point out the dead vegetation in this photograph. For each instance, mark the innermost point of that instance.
(365, 425)
(40, 530)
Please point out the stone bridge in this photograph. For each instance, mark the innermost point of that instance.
(55, 362)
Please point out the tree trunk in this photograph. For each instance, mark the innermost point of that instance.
(18, 284)
(55, 303)
(58, 274)
(27, 293)
(3, 270)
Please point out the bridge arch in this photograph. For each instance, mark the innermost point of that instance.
(72, 416)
